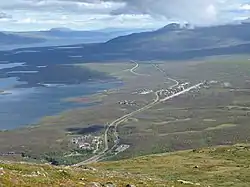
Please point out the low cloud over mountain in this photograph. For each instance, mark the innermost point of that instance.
(96, 14)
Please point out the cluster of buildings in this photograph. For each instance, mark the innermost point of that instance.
(126, 102)
(171, 91)
(143, 91)
(87, 142)
(121, 148)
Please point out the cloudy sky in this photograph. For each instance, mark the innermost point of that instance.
(96, 14)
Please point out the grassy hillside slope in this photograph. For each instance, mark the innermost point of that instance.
(218, 166)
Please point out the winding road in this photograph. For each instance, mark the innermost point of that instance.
(165, 74)
(120, 120)
(132, 70)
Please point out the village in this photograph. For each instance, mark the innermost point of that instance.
(94, 143)
(171, 91)
(88, 142)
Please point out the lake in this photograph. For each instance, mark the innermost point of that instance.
(23, 106)
(34, 83)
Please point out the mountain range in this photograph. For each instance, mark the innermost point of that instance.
(175, 41)
(172, 42)
(14, 39)
(59, 36)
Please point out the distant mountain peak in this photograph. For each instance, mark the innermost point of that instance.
(172, 26)
(175, 26)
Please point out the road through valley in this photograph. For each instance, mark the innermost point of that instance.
(120, 120)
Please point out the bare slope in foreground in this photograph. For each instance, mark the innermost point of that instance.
(218, 166)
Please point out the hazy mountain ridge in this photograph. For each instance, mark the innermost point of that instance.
(58, 36)
(176, 42)
(173, 37)
(9, 39)
(172, 42)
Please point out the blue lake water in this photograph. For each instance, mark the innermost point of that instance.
(10, 65)
(23, 106)
(8, 83)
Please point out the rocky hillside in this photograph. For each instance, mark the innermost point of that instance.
(220, 166)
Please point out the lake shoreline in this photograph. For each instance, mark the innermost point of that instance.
(51, 101)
